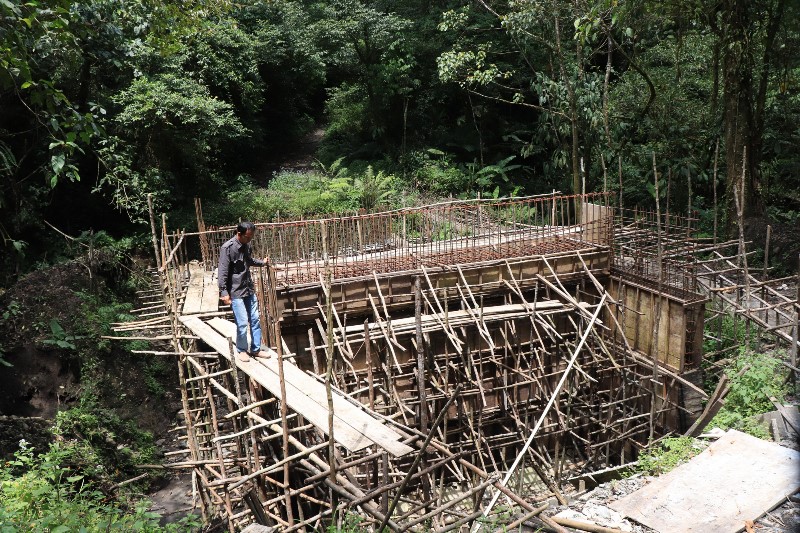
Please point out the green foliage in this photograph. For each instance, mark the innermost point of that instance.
(225, 58)
(492, 176)
(101, 444)
(368, 44)
(333, 189)
(178, 126)
(750, 393)
(501, 515)
(347, 123)
(97, 313)
(670, 452)
(290, 194)
(374, 190)
(435, 172)
(59, 337)
(726, 331)
(38, 37)
(350, 523)
(42, 493)
(154, 370)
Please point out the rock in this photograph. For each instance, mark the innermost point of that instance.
(604, 516)
(571, 514)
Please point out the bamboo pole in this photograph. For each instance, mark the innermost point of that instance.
(418, 458)
(654, 347)
(552, 400)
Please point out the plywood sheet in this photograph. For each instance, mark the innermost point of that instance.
(737, 478)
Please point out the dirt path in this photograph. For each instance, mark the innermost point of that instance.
(297, 156)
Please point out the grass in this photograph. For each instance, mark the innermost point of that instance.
(668, 454)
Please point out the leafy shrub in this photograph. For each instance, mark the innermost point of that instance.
(728, 333)
(100, 443)
(40, 493)
(59, 337)
(96, 315)
(434, 172)
(750, 393)
(293, 194)
(349, 523)
(670, 452)
(347, 130)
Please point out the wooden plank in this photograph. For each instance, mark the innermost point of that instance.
(192, 304)
(345, 413)
(298, 401)
(737, 478)
(374, 429)
(210, 293)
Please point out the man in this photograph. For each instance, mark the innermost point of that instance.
(236, 289)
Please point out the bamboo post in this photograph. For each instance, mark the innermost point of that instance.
(795, 338)
(766, 251)
(654, 352)
(619, 162)
(716, 161)
(738, 196)
(419, 456)
(329, 353)
(153, 229)
(550, 403)
(284, 424)
(368, 357)
(423, 408)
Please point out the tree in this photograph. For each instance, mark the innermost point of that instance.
(364, 44)
(747, 32)
(534, 64)
(43, 130)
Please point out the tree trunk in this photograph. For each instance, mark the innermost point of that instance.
(738, 109)
(573, 118)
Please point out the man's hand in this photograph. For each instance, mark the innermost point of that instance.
(266, 261)
(226, 299)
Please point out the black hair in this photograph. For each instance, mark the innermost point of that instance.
(244, 227)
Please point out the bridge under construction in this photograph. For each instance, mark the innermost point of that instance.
(433, 364)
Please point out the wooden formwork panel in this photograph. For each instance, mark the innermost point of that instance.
(680, 324)
(302, 304)
(638, 322)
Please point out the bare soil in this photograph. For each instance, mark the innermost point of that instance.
(45, 378)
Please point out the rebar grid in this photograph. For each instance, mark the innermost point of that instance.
(446, 233)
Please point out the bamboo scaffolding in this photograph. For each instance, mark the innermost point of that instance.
(508, 300)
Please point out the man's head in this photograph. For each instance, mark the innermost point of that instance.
(245, 231)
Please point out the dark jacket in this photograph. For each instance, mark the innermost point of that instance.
(233, 274)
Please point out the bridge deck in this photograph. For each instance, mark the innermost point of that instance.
(353, 428)
(202, 294)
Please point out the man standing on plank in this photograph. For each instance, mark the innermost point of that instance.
(236, 289)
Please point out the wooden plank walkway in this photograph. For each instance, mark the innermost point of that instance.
(202, 293)
(353, 428)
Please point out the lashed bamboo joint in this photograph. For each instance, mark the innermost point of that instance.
(428, 360)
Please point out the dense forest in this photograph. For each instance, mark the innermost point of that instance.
(104, 102)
